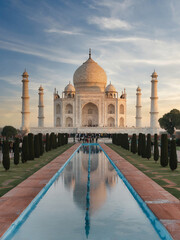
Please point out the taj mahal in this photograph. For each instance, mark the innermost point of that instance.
(89, 105)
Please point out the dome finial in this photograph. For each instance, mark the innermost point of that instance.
(89, 53)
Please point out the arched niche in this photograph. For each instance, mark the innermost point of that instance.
(121, 109)
(58, 122)
(69, 122)
(90, 115)
(69, 109)
(121, 122)
(111, 109)
(58, 108)
(111, 122)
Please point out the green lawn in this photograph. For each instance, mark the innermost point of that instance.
(178, 148)
(18, 173)
(153, 170)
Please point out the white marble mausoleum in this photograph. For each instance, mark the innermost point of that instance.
(90, 102)
(90, 105)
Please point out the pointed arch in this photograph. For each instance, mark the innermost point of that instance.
(58, 108)
(121, 109)
(90, 115)
(69, 122)
(111, 109)
(111, 122)
(69, 109)
(58, 122)
(121, 122)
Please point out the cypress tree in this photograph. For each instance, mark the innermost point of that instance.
(36, 146)
(123, 141)
(59, 140)
(134, 144)
(143, 140)
(31, 146)
(156, 148)
(62, 138)
(115, 138)
(55, 141)
(25, 150)
(66, 138)
(112, 138)
(164, 150)
(51, 140)
(47, 142)
(148, 146)
(126, 141)
(140, 144)
(16, 151)
(6, 158)
(41, 147)
(118, 139)
(173, 156)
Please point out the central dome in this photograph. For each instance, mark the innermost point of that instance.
(90, 77)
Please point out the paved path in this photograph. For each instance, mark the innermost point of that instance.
(164, 205)
(15, 201)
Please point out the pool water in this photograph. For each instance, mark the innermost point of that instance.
(87, 200)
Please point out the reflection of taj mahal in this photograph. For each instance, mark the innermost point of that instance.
(90, 106)
(103, 177)
(90, 102)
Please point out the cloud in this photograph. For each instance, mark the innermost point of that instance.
(39, 51)
(109, 23)
(115, 7)
(59, 31)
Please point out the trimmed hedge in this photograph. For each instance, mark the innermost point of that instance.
(41, 147)
(156, 148)
(51, 140)
(36, 146)
(6, 158)
(143, 143)
(16, 151)
(134, 144)
(148, 146)
(25, 150)
(31, 146)
(140, 144)
(59, 140)
(173, 156)
(47, 142)
(164, 150)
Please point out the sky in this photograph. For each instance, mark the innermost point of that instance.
(51, 39)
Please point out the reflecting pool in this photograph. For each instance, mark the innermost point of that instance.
(87, 200)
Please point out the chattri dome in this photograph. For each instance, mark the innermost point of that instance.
(41, 88)
(110, 88)
(69, 88)
(154, 74)
(25, 74)
(90, 77)
(138, 89)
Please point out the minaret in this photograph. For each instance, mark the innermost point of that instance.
(25, 102)
(138, 107)
(154, 102)
(41, 108)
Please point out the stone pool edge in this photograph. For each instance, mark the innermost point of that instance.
(164, 205)
(21, 199)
